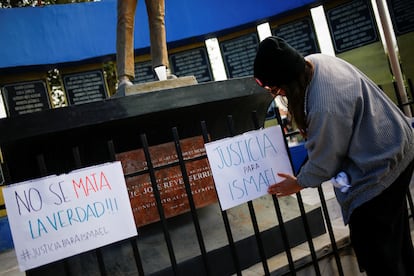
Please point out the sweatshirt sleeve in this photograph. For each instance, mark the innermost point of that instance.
(327, 147)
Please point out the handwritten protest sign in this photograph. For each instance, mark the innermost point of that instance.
(55, 217)
(244, 166)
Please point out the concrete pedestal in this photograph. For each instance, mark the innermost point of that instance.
(160, 85)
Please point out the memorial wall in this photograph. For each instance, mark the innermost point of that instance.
(356, 39)
(352, 25)
(32, 92)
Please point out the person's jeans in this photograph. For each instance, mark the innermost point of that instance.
(380, 231)
(125, 35)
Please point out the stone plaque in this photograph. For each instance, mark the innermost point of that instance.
(85, 87)
(238, 55)
(402, 14)
(26, 97)
(143, 72)
(352, 25)
(300, 34)
(192, 62)
(170, 182)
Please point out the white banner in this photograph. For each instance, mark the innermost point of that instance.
(55, 217)
(244, 166)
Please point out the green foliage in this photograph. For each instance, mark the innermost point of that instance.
(33, 3)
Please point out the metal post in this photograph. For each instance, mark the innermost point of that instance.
(394, 61)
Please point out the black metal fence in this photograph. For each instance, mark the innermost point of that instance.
(229, 259)
(181, 245)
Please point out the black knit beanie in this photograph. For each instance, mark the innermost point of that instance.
(277, 63)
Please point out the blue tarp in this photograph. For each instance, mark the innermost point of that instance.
(75, 32)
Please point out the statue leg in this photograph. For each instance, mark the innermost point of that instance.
(156, 17)
(125, 38)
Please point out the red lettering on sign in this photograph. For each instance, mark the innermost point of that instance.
(90, 184)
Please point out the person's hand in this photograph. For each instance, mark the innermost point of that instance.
(285, 187)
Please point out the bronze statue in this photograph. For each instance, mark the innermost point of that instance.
(125, 40)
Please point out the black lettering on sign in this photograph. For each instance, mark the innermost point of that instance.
(402, 14)
(238, 55)
(300, 34)
(26, 97)
(192, 62)
(352, 25)
(85, 87)
(143, 72)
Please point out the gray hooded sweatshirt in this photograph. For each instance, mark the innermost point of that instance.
(354, 127)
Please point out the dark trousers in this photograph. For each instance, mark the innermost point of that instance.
(380, 232)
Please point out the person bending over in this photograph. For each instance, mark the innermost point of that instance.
(351, 127)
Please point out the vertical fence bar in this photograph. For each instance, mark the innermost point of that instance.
(98, 252)
(133, 241)
(284, 235)
(301, 207)
(224, 216)
(230, 124)
(330, 231)
(397, 95)
(6, 178)
(41, 164)
(308, 234)
(410, 203)
(40, 158)
(400, 105)
(159, 204)
(258, 238)
(191, 200)
(399, 100)
(282, 227)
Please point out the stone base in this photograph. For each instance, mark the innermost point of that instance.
(160, 85)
